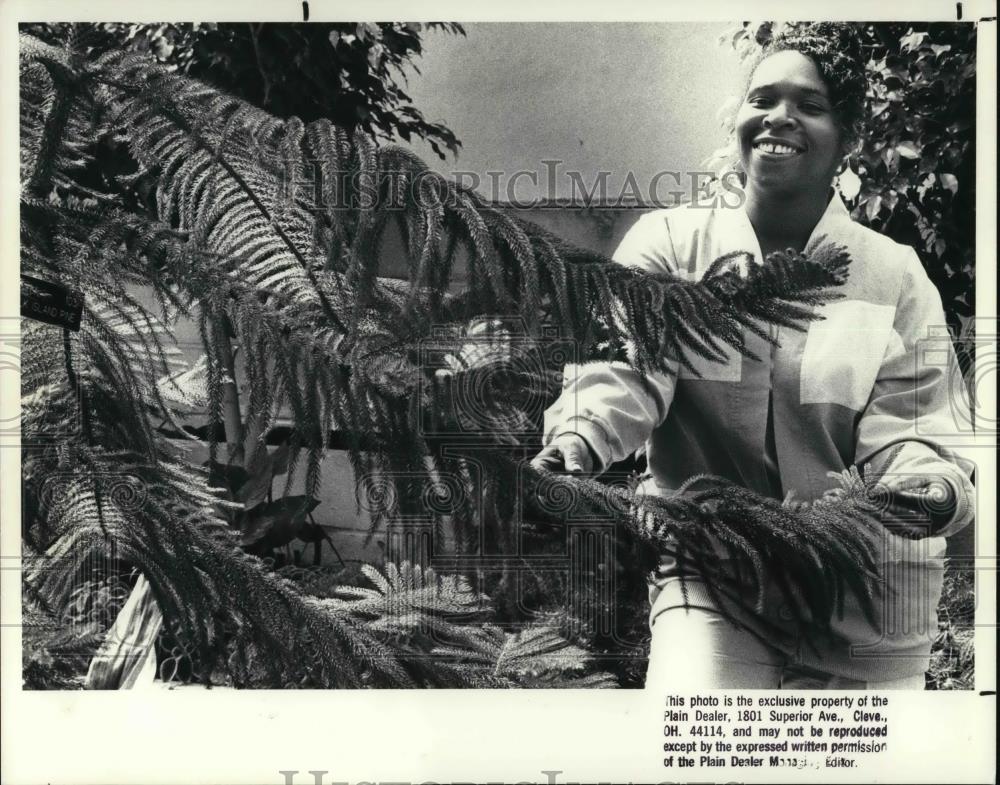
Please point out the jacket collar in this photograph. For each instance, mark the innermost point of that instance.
(738, 234)
(831, 222)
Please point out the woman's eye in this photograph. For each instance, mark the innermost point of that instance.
(812, 108)
(760, 102)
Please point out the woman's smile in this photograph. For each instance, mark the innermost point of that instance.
(789, 140)
(770, 147)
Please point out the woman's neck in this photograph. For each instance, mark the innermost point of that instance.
(782, 222)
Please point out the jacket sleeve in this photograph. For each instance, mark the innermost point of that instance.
(918, 403)
(611, 405)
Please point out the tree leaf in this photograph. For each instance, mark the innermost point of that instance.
(276, 523)
(873, 206)
(878, 107)
(907, 150)
(279, 459)
(912, 41)
(254, 490)
(226, 475)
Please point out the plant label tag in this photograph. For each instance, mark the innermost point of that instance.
(51, 303)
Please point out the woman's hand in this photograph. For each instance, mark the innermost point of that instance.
(566, 452)
(919, 505)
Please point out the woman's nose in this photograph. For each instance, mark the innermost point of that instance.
(778, 116)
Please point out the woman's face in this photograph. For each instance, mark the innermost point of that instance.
(787, 134)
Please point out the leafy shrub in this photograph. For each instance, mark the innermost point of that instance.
(353, 74)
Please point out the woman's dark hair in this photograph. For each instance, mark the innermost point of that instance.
(836, 50)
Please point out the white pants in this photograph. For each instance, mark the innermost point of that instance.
(696, 648)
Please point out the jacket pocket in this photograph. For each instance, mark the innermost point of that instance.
(843, 353)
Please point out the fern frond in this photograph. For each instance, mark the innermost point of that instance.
(497, 658)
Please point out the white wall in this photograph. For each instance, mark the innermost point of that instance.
(613, 96)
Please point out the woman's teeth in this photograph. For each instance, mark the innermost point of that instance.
(775, 149)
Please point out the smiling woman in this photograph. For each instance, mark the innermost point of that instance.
(801, 116)
(852, 391)
(788, 138)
